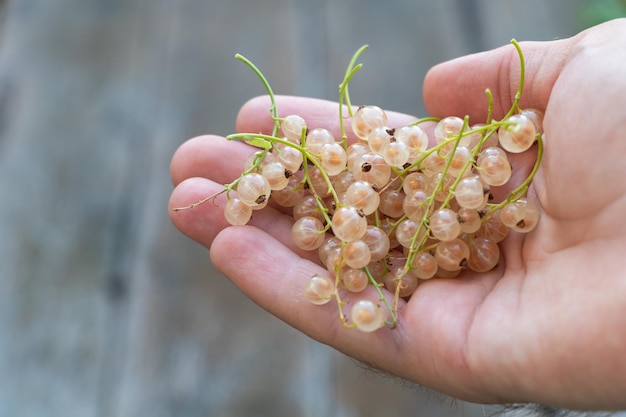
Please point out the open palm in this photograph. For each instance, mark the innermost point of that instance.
(549, 323)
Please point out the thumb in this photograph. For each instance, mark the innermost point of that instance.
(457, 87)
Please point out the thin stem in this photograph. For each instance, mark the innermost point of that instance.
(268, 88)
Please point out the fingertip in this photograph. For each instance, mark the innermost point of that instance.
(187, 161)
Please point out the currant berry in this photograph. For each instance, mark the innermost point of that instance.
(371, 167)
(518, 134)
(414, 138)
(361, 195)
(378, 139)
(354, 152)
(292, 127)
(276, 174)
(452, 255)
(469, 219)
(494, 167)
(484, 254)
(319, 289)
(416, 181)
(521, 215)
(354, 280)
(406, 230)
(291, 158)
(367, 316)
(415, 205)
(391, 203)
(424, 265)
(448, 128)
(348, 223)
(317, 138)
(396, 154)
(470, 193)
(307, 207)
(236, 212)
(253, 189)
(307, 233)
(334, 159)
(356, 254)
(367, 118)
(289, 196)
(396, 279)
(444, 224)
(377, 241)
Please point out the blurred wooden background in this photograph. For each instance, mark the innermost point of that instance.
(105, 309)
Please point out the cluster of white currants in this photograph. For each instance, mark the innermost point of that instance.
(389, 210)
(395, 207)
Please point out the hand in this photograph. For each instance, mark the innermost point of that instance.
(548, 324)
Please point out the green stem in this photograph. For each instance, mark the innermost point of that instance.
(268, 88)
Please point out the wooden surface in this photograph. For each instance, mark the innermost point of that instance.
(105, 309)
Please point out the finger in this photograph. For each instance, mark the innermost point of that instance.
(205, 221)
(209, 156)
(457, 87)
(254, 116)
(427, 346)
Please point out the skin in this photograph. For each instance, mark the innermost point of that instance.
(546, 326)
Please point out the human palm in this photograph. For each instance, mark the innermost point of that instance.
(549, 323)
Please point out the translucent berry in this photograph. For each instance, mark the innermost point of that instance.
(317, 138)
(378, 242)
(288, 196)
(424, 265)
(307, 233)
(536, 116)
(459, 159)
(356, 254)
(484, 254)
(494, 167)
(361, 195)
(318, 183)
(367, 118)
(371, 167)
(521, 215)
(291, 158)
(448, 128)
(330, 244)
(319, 289)
(253, 189)
(391, 203)
(354, 280)
(354, 152)
(396, 154)
(333, 158)
(348, 223)
(414, 138)
(415, 205)
(416, 181)
(452, 255)
(470, 193)
(469, 219)
(379, 138)
(397, 280)
(258, 158)
(406, 230)
(519, 135)
(367, 316)
(292, 127)
(236, 212)
(493, 228)
(307, 206)
(276, 174)
(444, 224)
